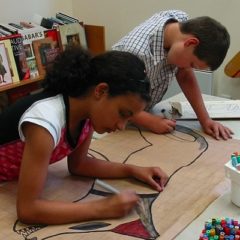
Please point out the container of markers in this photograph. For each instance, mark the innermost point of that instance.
(221, 229)
(232, 171)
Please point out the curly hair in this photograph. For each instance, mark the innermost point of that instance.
(74, 72)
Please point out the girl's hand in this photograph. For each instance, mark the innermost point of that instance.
(154, 176)
(119, 205)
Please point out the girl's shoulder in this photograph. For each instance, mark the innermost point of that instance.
(50, 113)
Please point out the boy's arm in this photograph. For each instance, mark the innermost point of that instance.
(189, 85)
(154, 123)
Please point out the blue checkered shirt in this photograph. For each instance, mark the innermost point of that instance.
(146, 41)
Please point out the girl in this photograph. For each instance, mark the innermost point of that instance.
(81, 94)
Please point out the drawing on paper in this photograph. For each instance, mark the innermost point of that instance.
(130, 226)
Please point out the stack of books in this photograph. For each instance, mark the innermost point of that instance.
(27, 48)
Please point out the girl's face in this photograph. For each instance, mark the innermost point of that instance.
(109, 114)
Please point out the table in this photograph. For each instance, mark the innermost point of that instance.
(174, 209)
(221, 207)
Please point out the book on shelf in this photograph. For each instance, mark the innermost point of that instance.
(47, 23)
(53, 41)
(5, 72)
(56, 21)
(220, 109)
(66, 18)
(19, 55)
(8, 28)
(71, 34)
(55, 36)
(46, 49)
(16, 26)
(4, 32)
(29, 35)
(52, 53)
(11, 60)
(42, 49)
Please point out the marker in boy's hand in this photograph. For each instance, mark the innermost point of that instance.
(170, 122)
(166, 114)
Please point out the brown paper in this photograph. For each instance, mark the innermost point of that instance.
(194, 162)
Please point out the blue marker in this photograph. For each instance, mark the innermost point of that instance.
(234, 161)
(238, 159)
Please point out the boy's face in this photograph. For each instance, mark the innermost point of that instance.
(181, 54)
(109, 114)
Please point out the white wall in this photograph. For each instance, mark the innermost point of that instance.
(15, 10)
(205, 81)
(119, 17)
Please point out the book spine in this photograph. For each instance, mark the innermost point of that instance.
(8, 28)
(66, 18)
(4, 32)
(20, 57)
(15, 25)
(47, 23)
(57, 21)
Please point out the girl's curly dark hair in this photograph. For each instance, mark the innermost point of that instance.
(74, 72)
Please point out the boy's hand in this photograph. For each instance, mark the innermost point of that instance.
(161, 125)
(217, 130)
(155, 123)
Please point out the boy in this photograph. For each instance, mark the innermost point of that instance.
(171, 47)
